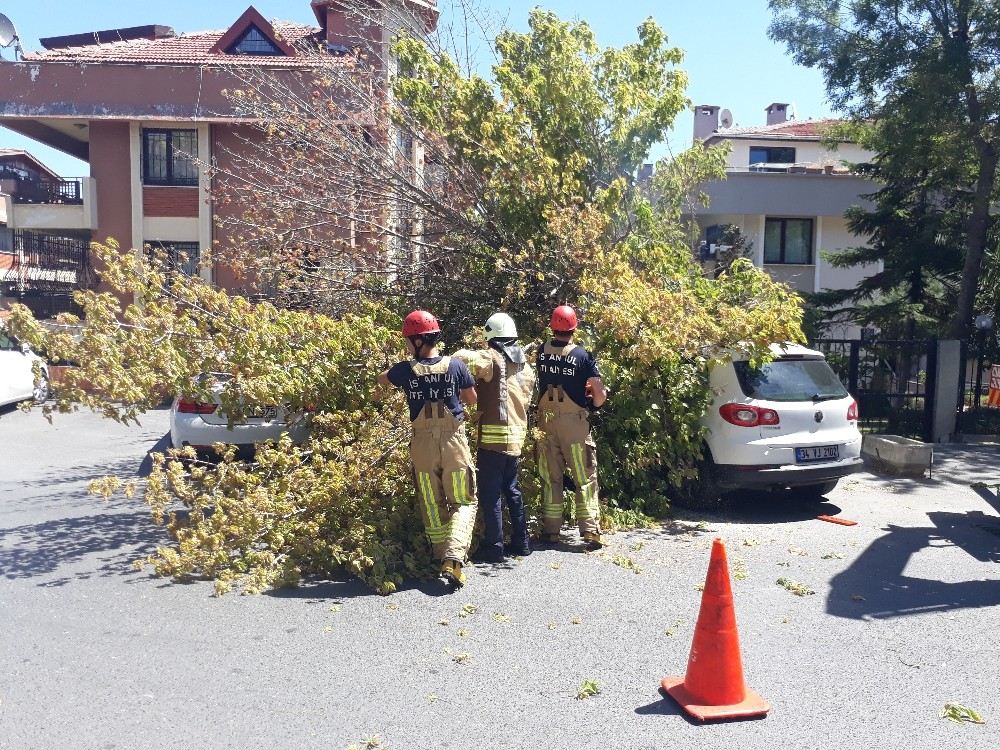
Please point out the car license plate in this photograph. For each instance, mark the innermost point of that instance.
(817, 453)
(268, 413)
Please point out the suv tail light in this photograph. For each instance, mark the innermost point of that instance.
(184, 406)
(745, 415)
(852, 412)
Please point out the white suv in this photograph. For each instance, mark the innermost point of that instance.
(787, 424)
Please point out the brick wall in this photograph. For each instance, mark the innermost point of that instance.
(170, 201)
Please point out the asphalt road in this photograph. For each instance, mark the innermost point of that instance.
(97, 655)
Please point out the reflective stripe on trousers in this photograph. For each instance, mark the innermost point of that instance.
(566, 442)
(445, 479)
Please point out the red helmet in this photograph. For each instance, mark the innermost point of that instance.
(563, 319)
(420, 322)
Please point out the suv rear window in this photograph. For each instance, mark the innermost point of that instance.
(790, 380)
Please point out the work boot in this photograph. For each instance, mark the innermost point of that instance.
(518, 550)
(489, 557)
(550, 539)
(593, 541)
(451, 571)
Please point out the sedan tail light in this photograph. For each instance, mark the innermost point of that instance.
(184, 406)
(745, 415)
(852, 412)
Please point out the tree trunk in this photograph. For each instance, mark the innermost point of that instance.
(976, 236)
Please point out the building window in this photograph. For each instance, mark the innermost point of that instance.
(168, 157)
(772, 155)
(788, 241)
(6, 241)
(180, 256)
(254, 42)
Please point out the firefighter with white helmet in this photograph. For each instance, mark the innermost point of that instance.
(504, 384)
(570, 387)
(435, 389)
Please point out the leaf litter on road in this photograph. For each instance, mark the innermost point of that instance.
(958, 713)
(587, 689)
(799, 589)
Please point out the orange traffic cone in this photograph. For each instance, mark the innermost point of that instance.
(713, 687)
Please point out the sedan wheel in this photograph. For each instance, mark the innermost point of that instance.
(41, 392)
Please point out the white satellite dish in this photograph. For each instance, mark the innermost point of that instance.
(8, 35)
(793, 112)
(726, 118)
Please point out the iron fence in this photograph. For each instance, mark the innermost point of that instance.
(42, 271)
(892, 380)
(975, 414)
(49, 252)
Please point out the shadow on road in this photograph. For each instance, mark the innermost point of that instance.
(42, 548)
(772, 507)
(126, 468)
(666, 706)
(323, 591)
(874, 585)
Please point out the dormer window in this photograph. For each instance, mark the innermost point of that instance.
(253, 41)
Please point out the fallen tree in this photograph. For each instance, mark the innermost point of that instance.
(545, 159)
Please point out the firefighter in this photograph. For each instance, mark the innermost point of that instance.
(570, 387)
(435, 389)
(505, 382)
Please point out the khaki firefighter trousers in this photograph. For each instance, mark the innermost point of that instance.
(566, 441)
(446, 481)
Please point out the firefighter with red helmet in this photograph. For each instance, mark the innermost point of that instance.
(435, 389)
(570, 387)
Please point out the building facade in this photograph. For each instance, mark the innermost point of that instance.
(787, 191)
(45, 222)
(147, 109)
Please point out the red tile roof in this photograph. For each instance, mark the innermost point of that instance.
(5, 152)
(791, 129)
(184, 49)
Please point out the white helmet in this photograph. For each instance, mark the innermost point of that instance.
(500, 326)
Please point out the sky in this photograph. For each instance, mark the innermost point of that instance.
(728, 57)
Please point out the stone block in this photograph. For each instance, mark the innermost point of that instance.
(893, 454)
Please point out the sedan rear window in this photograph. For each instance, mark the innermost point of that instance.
(790, 380)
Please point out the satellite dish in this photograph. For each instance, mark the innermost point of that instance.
(793, 112)
(726, 118)
(8, 35)
(7, 31)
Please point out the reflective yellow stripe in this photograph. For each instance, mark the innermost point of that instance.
(585, 503)
(579, 470)
(543, 473)
(458, 487)
(430, 502)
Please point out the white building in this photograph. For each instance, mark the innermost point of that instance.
(787, 191)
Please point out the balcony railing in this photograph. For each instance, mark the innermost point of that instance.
(63, 191)
(32, 259)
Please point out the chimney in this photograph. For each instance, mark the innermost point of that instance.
(777, 113)
(706, 121)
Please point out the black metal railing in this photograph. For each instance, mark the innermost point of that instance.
(49, 251)
(892, 380)
(42, 271)
(976, 415)
(63, 191)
